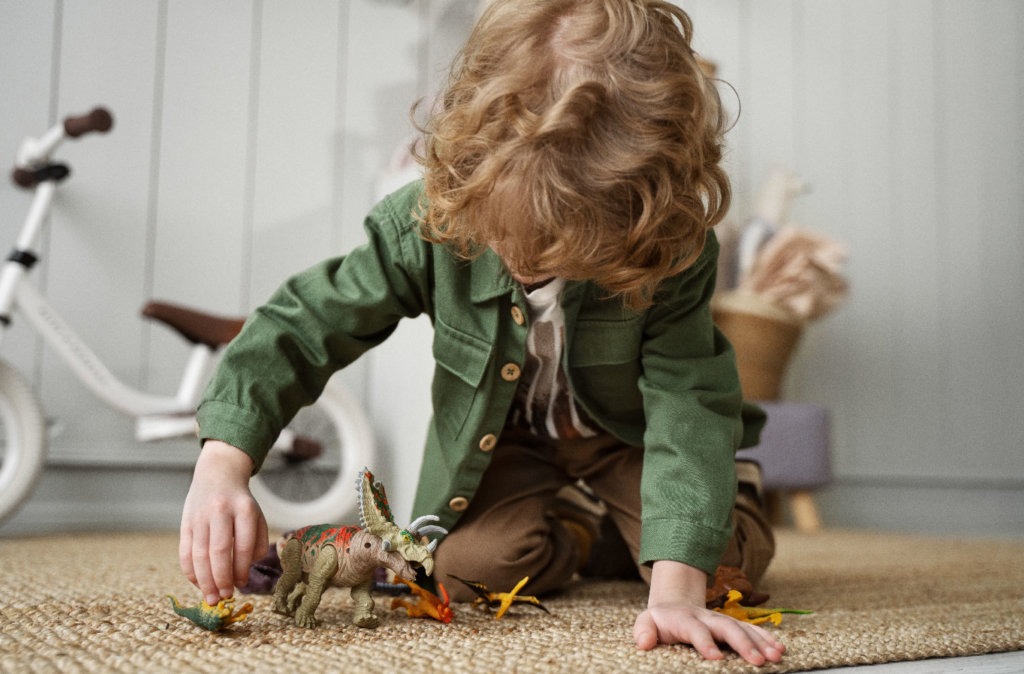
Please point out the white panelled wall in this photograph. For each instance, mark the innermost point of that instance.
(251, 138)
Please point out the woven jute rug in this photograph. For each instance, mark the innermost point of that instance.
(97, 603)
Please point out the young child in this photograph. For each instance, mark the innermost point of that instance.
(560, 243)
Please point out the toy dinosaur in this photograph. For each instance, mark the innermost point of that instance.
(316, 557)
(427, 604)
(503, 600)
(729, 578)
(213, 618)
(755, 616)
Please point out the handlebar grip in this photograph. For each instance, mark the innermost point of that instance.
(99, 120)
(23, 178)
(27, 179)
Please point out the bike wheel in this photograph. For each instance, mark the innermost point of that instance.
(22, 440)
(295, 492)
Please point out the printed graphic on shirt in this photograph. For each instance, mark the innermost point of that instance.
(544, 403)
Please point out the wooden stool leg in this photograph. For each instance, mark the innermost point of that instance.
(773, 506)
(805, 513)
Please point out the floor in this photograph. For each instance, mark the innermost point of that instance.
(996, 663)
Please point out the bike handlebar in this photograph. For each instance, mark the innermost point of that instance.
(99, 120)
(33, 164)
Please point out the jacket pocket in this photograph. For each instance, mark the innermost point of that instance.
(605, 369)
(461, 361)
(606, 342)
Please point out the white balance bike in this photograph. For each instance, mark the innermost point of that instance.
(307, 477)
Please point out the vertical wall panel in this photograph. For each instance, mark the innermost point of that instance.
(981, 221)
(866, 212)
(769, 115)
(96, 274)
(200, 244)
(447, 25)
(920, 259)
(717, 37)
(825, 350)
(293, 197)
(392, 38)
(27, 32)
(384, 42)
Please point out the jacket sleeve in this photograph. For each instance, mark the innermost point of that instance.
(693, 406)
(316, 323)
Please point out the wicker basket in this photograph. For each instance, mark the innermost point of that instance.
(764, 337)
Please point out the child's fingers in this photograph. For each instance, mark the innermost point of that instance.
(645, 632)
(185, 553)
(700, 638)
(221, 547)
(202, 574)
(750, 642)
(648, 632)
(766, 642)
(250, 543)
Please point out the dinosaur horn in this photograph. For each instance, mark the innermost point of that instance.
(432, 546)
(420, 521)
(431, 529)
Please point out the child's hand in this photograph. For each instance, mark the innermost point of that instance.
(676, 614)
(223, 530)
(702, 628)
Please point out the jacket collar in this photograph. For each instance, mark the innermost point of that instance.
(490, 278)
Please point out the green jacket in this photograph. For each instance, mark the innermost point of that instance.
(664, 379)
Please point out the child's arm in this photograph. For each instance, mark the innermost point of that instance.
(676, 614)
(222, 527)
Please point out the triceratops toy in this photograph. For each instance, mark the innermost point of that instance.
(316, 557)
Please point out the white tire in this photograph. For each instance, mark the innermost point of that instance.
(22, 440)
(295, 494)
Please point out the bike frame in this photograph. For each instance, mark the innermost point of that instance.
(158, 416)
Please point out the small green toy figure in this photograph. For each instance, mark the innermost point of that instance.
(212, 618)
(316, 557)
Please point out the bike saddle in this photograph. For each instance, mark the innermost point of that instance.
(195, 326)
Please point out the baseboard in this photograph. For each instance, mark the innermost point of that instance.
(72, 496)
(178, 453)
(971, 509)
(102, 498)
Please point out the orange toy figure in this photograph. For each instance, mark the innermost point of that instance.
(427, 605)
(503, 600)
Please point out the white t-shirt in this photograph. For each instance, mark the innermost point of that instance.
(544, 403)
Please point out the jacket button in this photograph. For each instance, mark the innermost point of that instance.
(459, 503)
(510, 372)
(517, 315)
(488, 442)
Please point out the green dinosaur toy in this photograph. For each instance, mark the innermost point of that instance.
(213, 618)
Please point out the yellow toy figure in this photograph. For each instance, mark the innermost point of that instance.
(503, 600)
(754, 615)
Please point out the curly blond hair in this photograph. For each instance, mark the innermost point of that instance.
(582, 140)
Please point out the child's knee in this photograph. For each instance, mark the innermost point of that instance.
(500, 563)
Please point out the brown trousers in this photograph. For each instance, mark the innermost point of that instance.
(509, 530)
